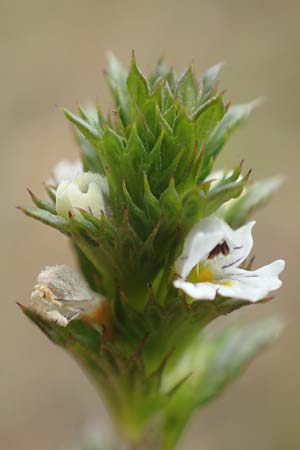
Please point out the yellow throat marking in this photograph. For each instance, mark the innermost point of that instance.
(201, 273)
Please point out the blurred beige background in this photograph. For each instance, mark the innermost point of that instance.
(53, 53)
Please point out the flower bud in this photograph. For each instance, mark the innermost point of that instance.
(85, 191)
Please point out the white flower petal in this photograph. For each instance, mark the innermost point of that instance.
(96, 202)
(205, 236)
(76, 198)
(218, 271)
(253, 285)
(270, 270)
(84, 191)
(243, 291)
(200, 241)
(55, 316)
(240, 242)
(198, 291)
(63, 203)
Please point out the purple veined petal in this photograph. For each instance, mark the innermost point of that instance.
(253, 285)
(240, 243)
(206, 236)
(199, 243)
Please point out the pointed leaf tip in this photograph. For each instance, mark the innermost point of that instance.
(21, 306)
(137, 84)
(210, 81)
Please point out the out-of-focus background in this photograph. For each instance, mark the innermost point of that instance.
(53, 53)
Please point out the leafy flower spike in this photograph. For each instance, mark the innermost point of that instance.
(209, 264)
(84, 191)
(143, 192)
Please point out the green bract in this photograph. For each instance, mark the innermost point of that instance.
(157, 149)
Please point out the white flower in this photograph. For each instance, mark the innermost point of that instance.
(86, 191)
(65, 170)
(60, 295)
(210, 261)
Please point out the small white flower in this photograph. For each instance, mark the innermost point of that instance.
(86, 191)
(65, 170)
(210, 261)
(60, 295)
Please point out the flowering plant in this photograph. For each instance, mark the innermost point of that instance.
(162, 244)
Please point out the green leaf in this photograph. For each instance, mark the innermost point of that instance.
(135, 211)
(133, 163)
(207, 118)
(54, 221)
(167, 100)
(117, 74)
(76, 332)
(87, 227)
(231, 352)
(90, 157)
(100, 258)
(91, 133)
(194, 207)
(170, 172)
(137, 84)
(154, 156)
(51, 192)
(171, 78)
(42, 204)
(185, 136)
(149, 115)
(210, 81)
(188, 90)
(161, 69)
(170, 114)
(111, 152)
(170, 202)
(254, 196)
(91, 116)
(135, 146)
(117, 80)
(227, 191)
(87, 268)
(235, 116)
(213, 363)
(151, 202)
